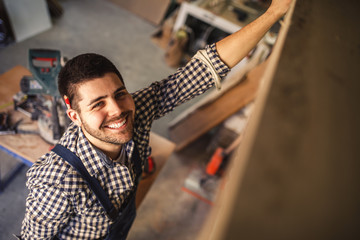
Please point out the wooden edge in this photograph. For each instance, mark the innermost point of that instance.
(215, 227)
(27, 146)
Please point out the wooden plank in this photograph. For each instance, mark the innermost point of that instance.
(28, 146)
(296, 173)
(216, 226)
(301, 178)
(210, 115)
(10, 84)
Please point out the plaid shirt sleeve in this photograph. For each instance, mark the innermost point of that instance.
(47, 207)
(187, 82)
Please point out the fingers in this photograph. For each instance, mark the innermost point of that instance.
(280, 7)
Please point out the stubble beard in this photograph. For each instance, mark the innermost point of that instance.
(105, 136)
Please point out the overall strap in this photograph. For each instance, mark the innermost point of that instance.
(93, 183)
(135, 158)
(137, 164)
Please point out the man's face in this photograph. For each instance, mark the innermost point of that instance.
(106, 111)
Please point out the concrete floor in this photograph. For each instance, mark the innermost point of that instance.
(102, 27)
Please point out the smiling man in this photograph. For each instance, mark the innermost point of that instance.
(85, 188)
(105, 109)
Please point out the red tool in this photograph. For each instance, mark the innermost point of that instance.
(217, 160)
(149, 168)
(203, 184)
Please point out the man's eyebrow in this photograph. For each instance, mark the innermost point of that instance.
(120, 89)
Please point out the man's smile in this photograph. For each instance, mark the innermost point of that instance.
(117, 124)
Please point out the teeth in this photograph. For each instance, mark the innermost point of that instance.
(117, 125)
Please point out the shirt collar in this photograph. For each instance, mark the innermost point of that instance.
(122, 158)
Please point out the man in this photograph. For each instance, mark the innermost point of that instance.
(109, 135)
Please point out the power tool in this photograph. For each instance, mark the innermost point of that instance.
(39, 97)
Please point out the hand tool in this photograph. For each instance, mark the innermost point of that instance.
(203, 184)
(218, 160)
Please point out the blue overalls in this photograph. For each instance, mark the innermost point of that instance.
(122, 219)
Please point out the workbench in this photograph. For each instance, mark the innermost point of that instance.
(24, 147)
(27, 148)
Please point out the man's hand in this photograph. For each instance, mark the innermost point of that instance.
(235, 47)
(279, 7)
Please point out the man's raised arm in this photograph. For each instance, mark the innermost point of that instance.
(235, 47)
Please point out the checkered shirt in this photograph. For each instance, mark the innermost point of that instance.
(60, 202)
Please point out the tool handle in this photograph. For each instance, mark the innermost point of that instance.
(216, 160)
(233, 145)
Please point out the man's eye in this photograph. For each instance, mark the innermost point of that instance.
(119, 95)
(97, 105)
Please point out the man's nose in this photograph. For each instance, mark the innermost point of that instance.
(114, 108)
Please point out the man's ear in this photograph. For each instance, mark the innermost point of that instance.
(74, 116)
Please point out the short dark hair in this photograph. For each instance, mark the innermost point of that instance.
(80, 69)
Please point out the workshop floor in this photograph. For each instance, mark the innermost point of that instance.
(102, 27)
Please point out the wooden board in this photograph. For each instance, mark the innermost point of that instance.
(27, 146)
(10, 84)
(220, 217)
(210, 115)
(296, 173)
